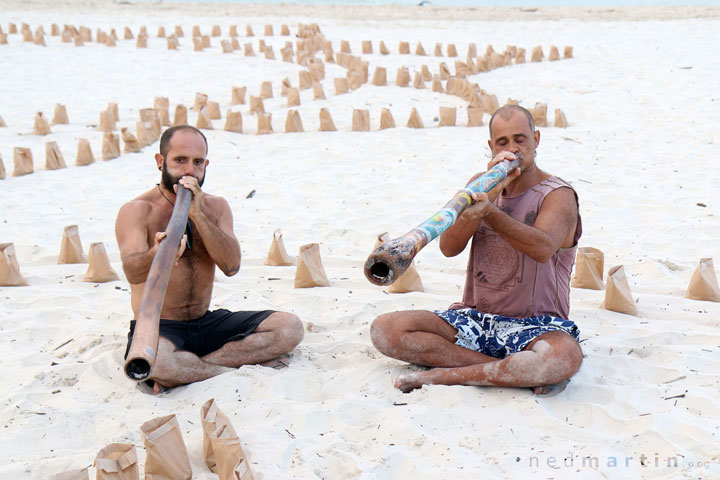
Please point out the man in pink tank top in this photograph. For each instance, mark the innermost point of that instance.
(511, 328)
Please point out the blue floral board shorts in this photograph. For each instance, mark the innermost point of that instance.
(499, 336)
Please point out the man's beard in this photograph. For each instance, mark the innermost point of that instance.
(168, 181)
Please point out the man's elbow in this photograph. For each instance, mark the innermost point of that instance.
(231, 268)
(450, 250)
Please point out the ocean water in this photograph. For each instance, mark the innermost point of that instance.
(478, 3)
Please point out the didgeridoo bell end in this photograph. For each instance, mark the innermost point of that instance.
(389, 261)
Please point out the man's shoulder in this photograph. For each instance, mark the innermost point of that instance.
(139, 206)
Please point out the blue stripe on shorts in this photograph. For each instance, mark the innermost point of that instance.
(500, 336)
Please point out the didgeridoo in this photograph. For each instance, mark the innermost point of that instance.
(390, 260)
(143, 349)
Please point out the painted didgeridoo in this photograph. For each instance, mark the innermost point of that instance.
(392, 258)
(143, 349)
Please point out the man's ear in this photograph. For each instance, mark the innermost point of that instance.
(159, 160)
(537, 137)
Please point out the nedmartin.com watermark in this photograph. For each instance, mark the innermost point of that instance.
(652, 461)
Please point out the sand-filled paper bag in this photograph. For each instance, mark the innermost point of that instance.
(404, 48)
(426, 74)
(172, 42)
(131, 143)
(419, 50)
(293, 122)
(415, 121)
(402, 77)
(249, 31)
(41, 127)
(437, 84)
(383, 48)
(438, 50)
(589, 267)
(2, 122)
(451, 50)
(180, 117)
(77, 474)
(141, 41)
(554, 54)
(618, 297)
(367, 46)
(345, 46)
(203, 120)
(233, 122)
(231, 462)
(310, 271)
(110, 146)
(360, 120)
(408, 281)
(200, 101)
(305, 79)
(380, 76)
(266, 90)
(341, 85)
(560, 119)
(107, 121)
(128, 34)
(418, 81)
(197, 44)
(10, 275)
(386, 119)
(537, 54)
(99, 269)
(703, 283)
(284, 30)
(268, 30)
(117, 461)
(2, 169)
(248, 50)
(264, 123)
(238, 95)
(142, 133)
(53, 157)
(475, 117)
(539, 114)
(568, 52)
(256, 105)
(23, 160)
(162, 105)
(167, 457)
(60, 117)
(71, 250)
(448, 116)
(318, 92)
(293, 97)
(212, 420)
(161, 32)
(277, 255)
(326, 121)
(520, 56)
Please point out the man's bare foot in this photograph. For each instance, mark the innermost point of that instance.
(550, 390)
(277, 363)
(158, 389)
(407, 382)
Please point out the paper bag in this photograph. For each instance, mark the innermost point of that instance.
(128, 34)
(537, 54)
(249, 31)
(408, 281)
(560, 119)
(360, 120)
(162, 105)
(326, 121)
(386, 119)
(2, 122)
(212, 420)
(131, 143)
(2, 169)
(415, 121)
(443, 71)
(99, 269)
(117, 461)
(231, 462)
(402, 78)
(256, 105)
(554, 54)
(266, 90)
(293, 122)
(520, 56)
(60, 117)
(341, 85)
(293, 97)
(41, 125)
(110, 146)
(451, 50)
(203, 120)
(568, 52)
(23, 160)
(437, 84)
(161, 32)
(318, 93)
(71, 250)
(419, 50)
(448, 116)
(284, 30)
(617, 293)
(438, 50)
(180, 117)
(383, 48)
(248, 50)
(539, 114)
(589, 267)
(213, 110)
(418, 81)
(238, 95)
(167, 457)
(141, 41)
(425, 72)
(107, 122)
(380, 76)
(79, 474)
(10, 275)
(264, 123)
(310, 271)
(233, 122)
(305, 79)
(268, 30)
(53, 157)
(367, 47)
(277, 255)
(703, 283)
(404, 48)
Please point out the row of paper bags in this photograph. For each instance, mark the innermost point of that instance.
(166, 455)
(589, 268)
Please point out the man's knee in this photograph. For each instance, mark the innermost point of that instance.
(289, 328)
(564, 355)
(384, 333)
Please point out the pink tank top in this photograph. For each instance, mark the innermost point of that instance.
(503, 281)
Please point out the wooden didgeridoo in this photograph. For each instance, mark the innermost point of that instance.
(390, 260)
(143, 349)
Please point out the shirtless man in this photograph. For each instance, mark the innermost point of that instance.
(511, 328)
(195, 343)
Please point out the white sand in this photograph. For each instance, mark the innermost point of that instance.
(642, 97)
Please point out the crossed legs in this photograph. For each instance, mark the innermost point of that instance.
(278, 334)
(423, 338)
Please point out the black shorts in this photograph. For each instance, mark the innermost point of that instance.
(209, 332)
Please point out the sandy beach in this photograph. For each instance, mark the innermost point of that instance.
(641, 97)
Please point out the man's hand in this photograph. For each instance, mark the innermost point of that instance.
(482, 201)
(191, 183)
(159, 236)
